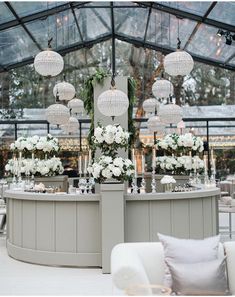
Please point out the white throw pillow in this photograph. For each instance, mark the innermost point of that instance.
(188, 251)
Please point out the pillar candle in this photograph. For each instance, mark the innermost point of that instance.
(135, 165)
(205, 163)
(80, 165)
(89, 157)
(213, 164)
(85, 165)
(143, 163)
(154, 157)
(133, 155)
(212, 154)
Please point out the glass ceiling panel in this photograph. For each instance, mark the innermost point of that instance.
(131, 21)
(5, 14)
(27, 8)
(93, 22)
(163, 29)
(224, 12)
(61, 27)
(207, 44)
(196, 7)
(15, 46)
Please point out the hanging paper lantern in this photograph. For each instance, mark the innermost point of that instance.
(64, 91)
(57, 114)
(76, 105)
(150, 105)
(48, 63)
(113, 103)
(155, 124)
(181, 125)
(178, 63)
(72, 126)
(162, 88)
(170, 113)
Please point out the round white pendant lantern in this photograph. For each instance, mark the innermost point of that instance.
(71, 126)
(150, 105)
(113, 103)
(170, 113)
(48, 63)
(181, 125)
(162, 88)
(64, 91)
(178, 63)
(57, 114)
(76, 105)
(155, 124)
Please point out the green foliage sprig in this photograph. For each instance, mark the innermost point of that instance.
(88, 96)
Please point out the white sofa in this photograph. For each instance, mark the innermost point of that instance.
(143, 263)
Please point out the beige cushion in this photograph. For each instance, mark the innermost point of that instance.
(202, 278)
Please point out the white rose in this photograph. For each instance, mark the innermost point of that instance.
(98, 132)
(34, 139)
(107, 173)
(29, 146)
(116, 171)
(109, 138)
(7, 167)
(107, 160)
(118, 162)
(118, 140)
(39, 145)
(12, 146)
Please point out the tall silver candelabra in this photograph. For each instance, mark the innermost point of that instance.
(153, 182)
(143, 184)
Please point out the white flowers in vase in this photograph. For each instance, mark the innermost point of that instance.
(46, 144)
(181, 143)
(110, 138)
(49, 167)
(107, 167)
(179, 165)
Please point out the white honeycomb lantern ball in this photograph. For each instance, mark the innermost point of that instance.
(57, 114)
(178, 63)
(48, 63)
(76, 105)
(113, 103)
(155, 124)
(64, 90)
(72, 126)
(162, 88)
(150, 105)
(170, 113)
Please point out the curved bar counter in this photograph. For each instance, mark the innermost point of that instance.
(66, 229)
(54, 229)
(191, 214)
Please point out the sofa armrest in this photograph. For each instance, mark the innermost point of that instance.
(127, 269)
(230, 253)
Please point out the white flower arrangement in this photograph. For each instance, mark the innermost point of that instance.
(49, 167)
(107, 167)
(110, 138)
(167, 179)
(174, 142)
(47, 144)
(182, 164)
